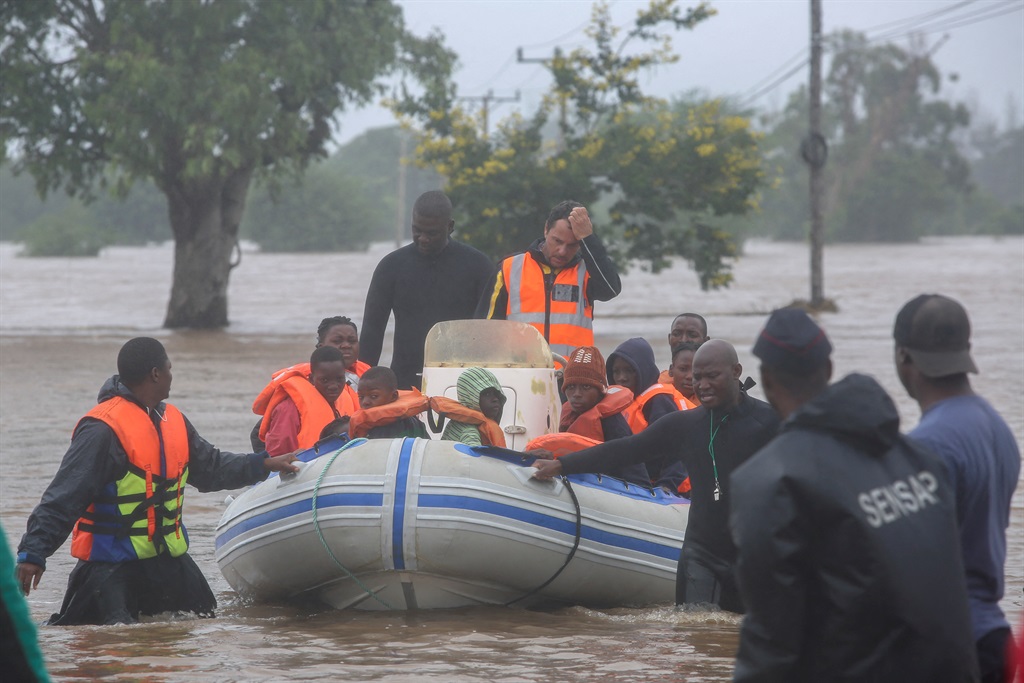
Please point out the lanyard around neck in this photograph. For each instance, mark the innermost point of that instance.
(712, 432)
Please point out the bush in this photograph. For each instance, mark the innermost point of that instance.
(68, 233)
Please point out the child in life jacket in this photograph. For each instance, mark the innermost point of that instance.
(474, 418)
(301, 407)
(594, 411)
(632, 365)
(337, 331)
(384, 411)
(681, 371)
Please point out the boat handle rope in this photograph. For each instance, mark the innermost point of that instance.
(572, 553)
(319, 533)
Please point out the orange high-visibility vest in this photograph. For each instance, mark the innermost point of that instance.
(563, 315)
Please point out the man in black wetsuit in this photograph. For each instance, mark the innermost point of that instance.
(712, 440)
(433, 279)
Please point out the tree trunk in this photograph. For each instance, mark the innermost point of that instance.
(205, 216)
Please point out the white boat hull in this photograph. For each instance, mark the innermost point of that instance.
(419, 524)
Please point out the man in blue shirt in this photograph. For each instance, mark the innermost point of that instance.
(933, 358)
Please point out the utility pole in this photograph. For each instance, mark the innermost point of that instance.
(555, 57)
(485, 101)
(403, 142)
(815, 151)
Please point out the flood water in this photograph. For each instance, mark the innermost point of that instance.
(63, 320)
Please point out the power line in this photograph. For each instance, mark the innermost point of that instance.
(947, 23)
(917, 24)
(785, 65)
(926, 16)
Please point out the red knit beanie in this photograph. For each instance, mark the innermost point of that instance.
(585, 366)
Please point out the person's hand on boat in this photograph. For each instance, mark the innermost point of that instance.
(28, 576)
(547, 469)
(579, 223)
(540, 453)
(281, 463)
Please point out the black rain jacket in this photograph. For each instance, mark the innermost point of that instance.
(848, 556)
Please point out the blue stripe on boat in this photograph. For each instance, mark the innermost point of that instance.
(398, 514)
(548, 522)
(297, 508)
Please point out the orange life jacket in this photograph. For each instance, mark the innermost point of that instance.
(139, 515)
(635, 412)
(560, 443)
(315, 412)
(563, 315)
(408, 404)
(666, 378)
(616, 399)
(346, 404)
(490, 431)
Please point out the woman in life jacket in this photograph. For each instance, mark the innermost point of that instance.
(593, 413)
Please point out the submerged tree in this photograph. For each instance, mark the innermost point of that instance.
(666, 172)
(201, 96)
(894, 167)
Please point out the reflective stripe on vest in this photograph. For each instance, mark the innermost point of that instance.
(139, 515)
(564, 324)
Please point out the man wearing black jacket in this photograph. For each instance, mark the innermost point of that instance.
(711, 440)
(553, 284)
(848, 559)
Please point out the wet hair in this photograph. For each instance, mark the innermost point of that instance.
(684, 346)
(327, 323)
(137, 357)
(560, 212)
(703, 322)
(325, 354)
(433, 204)
(335, 427)
(381, 374)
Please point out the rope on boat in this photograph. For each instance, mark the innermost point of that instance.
(572, 553)
(319, 533)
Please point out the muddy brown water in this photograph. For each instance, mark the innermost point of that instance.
(63, 320)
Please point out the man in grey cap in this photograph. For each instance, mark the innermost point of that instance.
(933, 358)
(847, 554)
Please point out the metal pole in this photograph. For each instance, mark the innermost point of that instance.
(400, 208)
(817, 184)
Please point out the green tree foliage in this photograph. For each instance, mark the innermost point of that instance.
(668, 173)
(378, 157)
(200, 97)
(325, 210)
(894, 169)
(70, 232)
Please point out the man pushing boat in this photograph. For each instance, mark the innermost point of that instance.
(711, 440)
(121, 487)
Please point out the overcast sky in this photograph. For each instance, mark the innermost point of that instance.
(743, 50)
